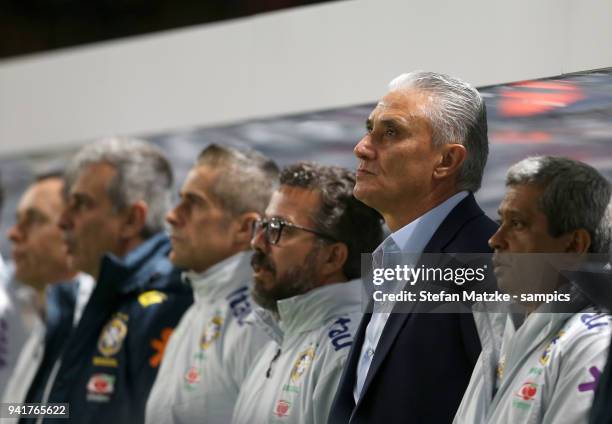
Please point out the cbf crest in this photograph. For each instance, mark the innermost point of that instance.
(112, 336)
(302, 363)
(211, 332)
(545, 357)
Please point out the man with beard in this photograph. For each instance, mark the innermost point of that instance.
(208, 355)
(119, 191)
(306, 268)
(542, 366)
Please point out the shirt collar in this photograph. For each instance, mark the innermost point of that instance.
(221, 278)
(313, 309)
(414, 236)
(85, 285)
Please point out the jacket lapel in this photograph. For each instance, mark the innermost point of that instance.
(466, 210)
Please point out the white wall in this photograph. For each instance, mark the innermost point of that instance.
(311, 58)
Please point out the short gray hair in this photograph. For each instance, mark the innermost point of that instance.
(246, 181)
(457, 114)
(575, 196)
(143, 173)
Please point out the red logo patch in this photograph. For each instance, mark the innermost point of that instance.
(282, 408)
(528, 391)
(192, 376)
(103, 384)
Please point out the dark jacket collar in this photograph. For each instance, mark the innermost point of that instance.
(465, 211)
(136, 269)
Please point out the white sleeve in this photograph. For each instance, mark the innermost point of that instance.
(580, 366)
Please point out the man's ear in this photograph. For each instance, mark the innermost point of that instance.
(335, 256)
(452, 157)
(135, 218)
(579, 241)
(243, 227)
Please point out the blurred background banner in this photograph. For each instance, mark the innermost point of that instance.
(295, 79)
(565, 116)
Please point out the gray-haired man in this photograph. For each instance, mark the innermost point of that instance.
(118, 192)
(208, 356)
(420, 162)
(543, 368)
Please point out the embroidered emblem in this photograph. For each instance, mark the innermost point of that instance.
(548, 350)
(211, 332)
(151, 297)
(282, 408)
(192, 377)
(303, 362)
(291, 389)
(535, 371)
(100, 387)
(112, 336)
(159, 345)
(528, 391)
(525, 395)
(100, 361)
(591, 385)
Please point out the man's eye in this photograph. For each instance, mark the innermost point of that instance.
(516, 224)
(390, 132)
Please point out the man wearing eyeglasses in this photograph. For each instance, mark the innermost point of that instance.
(307, 264)
(207, 356)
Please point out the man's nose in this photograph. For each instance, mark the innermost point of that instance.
(258, 239)
(497, 240)
(364, 149)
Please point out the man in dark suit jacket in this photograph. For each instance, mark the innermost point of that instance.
(420, 163)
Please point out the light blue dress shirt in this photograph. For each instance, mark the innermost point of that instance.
(411, 238)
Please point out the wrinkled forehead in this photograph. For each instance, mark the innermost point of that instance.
(409, 104)
(93, 178)
(521, 199)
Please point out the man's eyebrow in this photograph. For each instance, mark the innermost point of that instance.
(190, 195)
(395, 121)
(81, 196)
(509, 211)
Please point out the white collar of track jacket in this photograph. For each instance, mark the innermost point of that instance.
(309, 311)
(213, 284)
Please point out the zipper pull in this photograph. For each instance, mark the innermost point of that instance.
(269, 372)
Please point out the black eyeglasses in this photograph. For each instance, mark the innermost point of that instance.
(273, 229)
